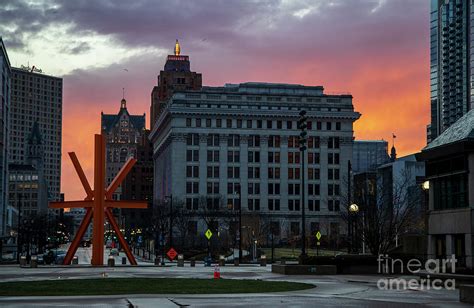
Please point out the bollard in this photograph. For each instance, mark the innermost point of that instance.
(236, 262)
(263, 260)
(75, 260)
(221, 260)
(34, 261)
(111, 261)
(180, 260)
(22, 260)
(193, 262)
(124, 260)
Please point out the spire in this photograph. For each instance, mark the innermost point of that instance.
(393, 151)
(123, 102)
(35, 135)
(177, 48)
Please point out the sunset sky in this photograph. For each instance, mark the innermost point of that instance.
(376, 50)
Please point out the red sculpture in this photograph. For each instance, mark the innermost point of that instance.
(98, 204)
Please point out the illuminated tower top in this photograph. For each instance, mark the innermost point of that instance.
(177, 48)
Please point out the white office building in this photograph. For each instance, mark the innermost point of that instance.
(239, 144)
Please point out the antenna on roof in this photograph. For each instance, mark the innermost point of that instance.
(123, 93)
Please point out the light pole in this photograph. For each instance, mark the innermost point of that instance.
(240, 223)
(302, 125)
(170, 198)
(18, 238)
(353, 211)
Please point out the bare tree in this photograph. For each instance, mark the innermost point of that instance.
(387, 209)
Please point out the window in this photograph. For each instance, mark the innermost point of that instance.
(273, 173)
(192, 187)
(269, 123)
(333, 143)
(192, 171)
(188, 122)
(213, 188)
(254, 188)
(313, 205)
(273, 204)
(313, 142)
(333, 189)
(229, 123)
(254, 204)
(249, 123)
(233, 156)
(233, 172)
(253, 157)
(213, 156)
(274, 141)
(198, 122)
(219, 123)
(333, 158)
(274, 157)
(338, 125)
(273, 188)
(253, 172)
(208, 122)
(309, 125)
(334, 205)
(192, 155)
(293, 189)
(239, 123)
(259, 123)
(318, 126)
(313, 158)
(293, 205)
(213, 172)
(212, 140)
(233, 188)
(289, 124)
(279, 125)
(192, 139)
(254, 141)
(328, 125)
(313, 189)
(233, 141)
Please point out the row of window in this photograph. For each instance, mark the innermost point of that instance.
(268, 124)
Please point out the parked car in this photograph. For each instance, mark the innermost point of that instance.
(40, 259)
(114, 252)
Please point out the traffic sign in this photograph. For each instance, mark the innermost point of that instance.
(318, 243)
(318, 235)
(171, 254)
(208, 234)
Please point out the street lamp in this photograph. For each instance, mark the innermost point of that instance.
(170, 198)
(302, 125)
(353, 210)
(426, 185)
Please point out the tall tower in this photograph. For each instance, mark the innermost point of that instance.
(450, 64)
(35, 149)
(176, 76)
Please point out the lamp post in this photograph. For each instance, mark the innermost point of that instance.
(240, 222)
(170, 198)
(18, 238)
(353, 211)
(302, 125)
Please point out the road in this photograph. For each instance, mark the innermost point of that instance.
(330, 291)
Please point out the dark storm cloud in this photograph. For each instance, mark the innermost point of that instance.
(261, 26)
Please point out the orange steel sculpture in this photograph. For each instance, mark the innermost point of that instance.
(98, 204)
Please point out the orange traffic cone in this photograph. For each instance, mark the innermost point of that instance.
(217, 272)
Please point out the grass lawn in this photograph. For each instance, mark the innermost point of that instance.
(110, 286)
(294, 253)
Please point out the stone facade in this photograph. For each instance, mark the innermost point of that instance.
(239, 144)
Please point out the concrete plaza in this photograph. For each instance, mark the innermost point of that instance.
(330, 291)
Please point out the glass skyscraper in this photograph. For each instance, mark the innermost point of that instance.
(452, 72)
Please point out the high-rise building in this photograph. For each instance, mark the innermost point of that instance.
(123, 133)
(5, 86)
(37, 97)
(451, 68)
(176, 76)
(369, 154)
(238, 145)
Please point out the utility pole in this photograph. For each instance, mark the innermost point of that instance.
(302, 126)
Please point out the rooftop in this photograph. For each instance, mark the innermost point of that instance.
(462, 130)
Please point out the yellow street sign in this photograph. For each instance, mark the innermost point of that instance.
(208, 234)
(318, 235)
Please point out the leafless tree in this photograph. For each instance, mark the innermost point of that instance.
(387, 209)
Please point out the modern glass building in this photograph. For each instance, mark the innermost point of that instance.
(451, 68)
